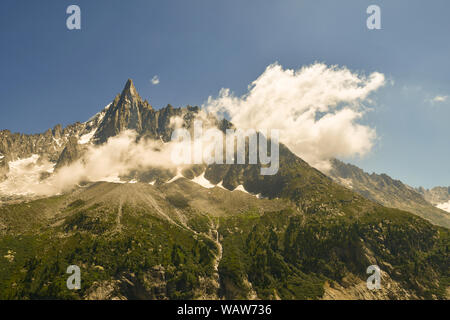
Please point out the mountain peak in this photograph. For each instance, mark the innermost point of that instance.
(127, 111)
(129, 89)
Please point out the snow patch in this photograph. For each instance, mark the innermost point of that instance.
(113, 178)
(178, 176)
(99, 115)
(86, 138)
(152, 183)
(444, 206)
(57, 141)
(24, 177)
(241, 188)
(201, 180)
(348, 183)
(220, 185)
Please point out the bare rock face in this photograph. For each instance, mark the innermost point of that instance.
(63, 146)
(72, 152)
(129, 111)
(354, 288)
(48, 145)
(4, 168)
(126, 112)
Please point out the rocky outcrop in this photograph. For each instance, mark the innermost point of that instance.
(4, 167)
(72, 152)
(129, 111)
(126, 112)
(353, 288)
(49, 145)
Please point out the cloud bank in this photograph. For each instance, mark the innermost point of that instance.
(107, 162)
(116, 158)
(316, 108)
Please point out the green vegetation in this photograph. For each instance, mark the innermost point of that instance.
(178, 200)
(38, 270)
(290, 256)
(165, 247)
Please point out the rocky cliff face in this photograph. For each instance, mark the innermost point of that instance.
(129, 111)
(14, 145)
(63, 146)
(48, 146)
(71, 152)
(4, 167)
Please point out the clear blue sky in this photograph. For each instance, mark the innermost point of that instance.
(51, 75)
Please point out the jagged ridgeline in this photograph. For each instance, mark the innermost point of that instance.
(205, 234)
(393, 193)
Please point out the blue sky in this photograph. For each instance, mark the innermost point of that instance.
(51, 75)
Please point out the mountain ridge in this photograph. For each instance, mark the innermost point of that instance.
(129, 111)
(389, 192)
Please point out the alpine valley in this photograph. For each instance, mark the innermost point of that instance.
(206, 231)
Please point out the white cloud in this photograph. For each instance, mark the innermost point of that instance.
(155, 80)
(439, 98)
(316, 109)
(118, 156)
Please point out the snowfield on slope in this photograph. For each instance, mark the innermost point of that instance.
(24, 173)
(444, 206)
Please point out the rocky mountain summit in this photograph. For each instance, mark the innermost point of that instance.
(129, 111)
(63, 146)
